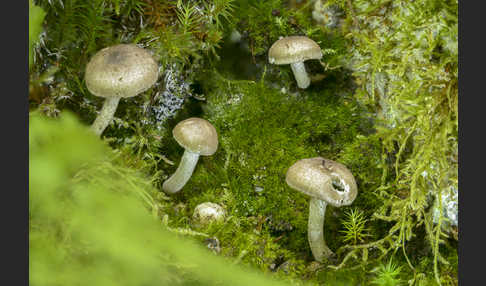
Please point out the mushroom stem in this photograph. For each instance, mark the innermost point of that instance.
(183, 173)
(303, 80)
(315, 232)
(106, 115)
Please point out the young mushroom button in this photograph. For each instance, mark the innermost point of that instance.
(326, 182)
(294, 50)
(208, 212)
(198, 137)
(123, 70)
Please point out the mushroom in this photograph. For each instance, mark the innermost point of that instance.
(198, 137)
(326, 182)
(123, 70)
(294, 50)
(206, 212)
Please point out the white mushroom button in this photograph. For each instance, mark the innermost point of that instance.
(208, 212)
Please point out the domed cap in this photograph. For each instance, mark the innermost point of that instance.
(319, 178)
(196, 135)
(123, 70)
(293, 49)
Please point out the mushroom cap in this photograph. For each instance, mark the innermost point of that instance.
(196, 135)
(293, 49)
(123, 70)
(208, 211)
(317, 177)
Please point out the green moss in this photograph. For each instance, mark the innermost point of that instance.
(36, 16)
(343, 277)
(258, 142)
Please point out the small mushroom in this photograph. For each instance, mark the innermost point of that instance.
(123, 70)
(198, 137)
(326, 182)
(294, 50)
(207, 212)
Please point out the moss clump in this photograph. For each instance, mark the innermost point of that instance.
(258, 142)
(181, 35)
(404, 56)
(89, 219)
(35, 28)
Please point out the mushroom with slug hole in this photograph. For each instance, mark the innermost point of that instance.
(326, 182)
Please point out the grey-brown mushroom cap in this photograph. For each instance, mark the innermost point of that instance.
(314, 177)
(196, 135)
(123, 70)
(293, 49)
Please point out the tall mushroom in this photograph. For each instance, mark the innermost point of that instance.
(198, 137)
(123, 70)
(294, 50)
(326, 182)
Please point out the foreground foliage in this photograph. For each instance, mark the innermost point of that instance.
(90, 222)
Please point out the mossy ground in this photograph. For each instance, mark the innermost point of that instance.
(264, 123)
(262, 131)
